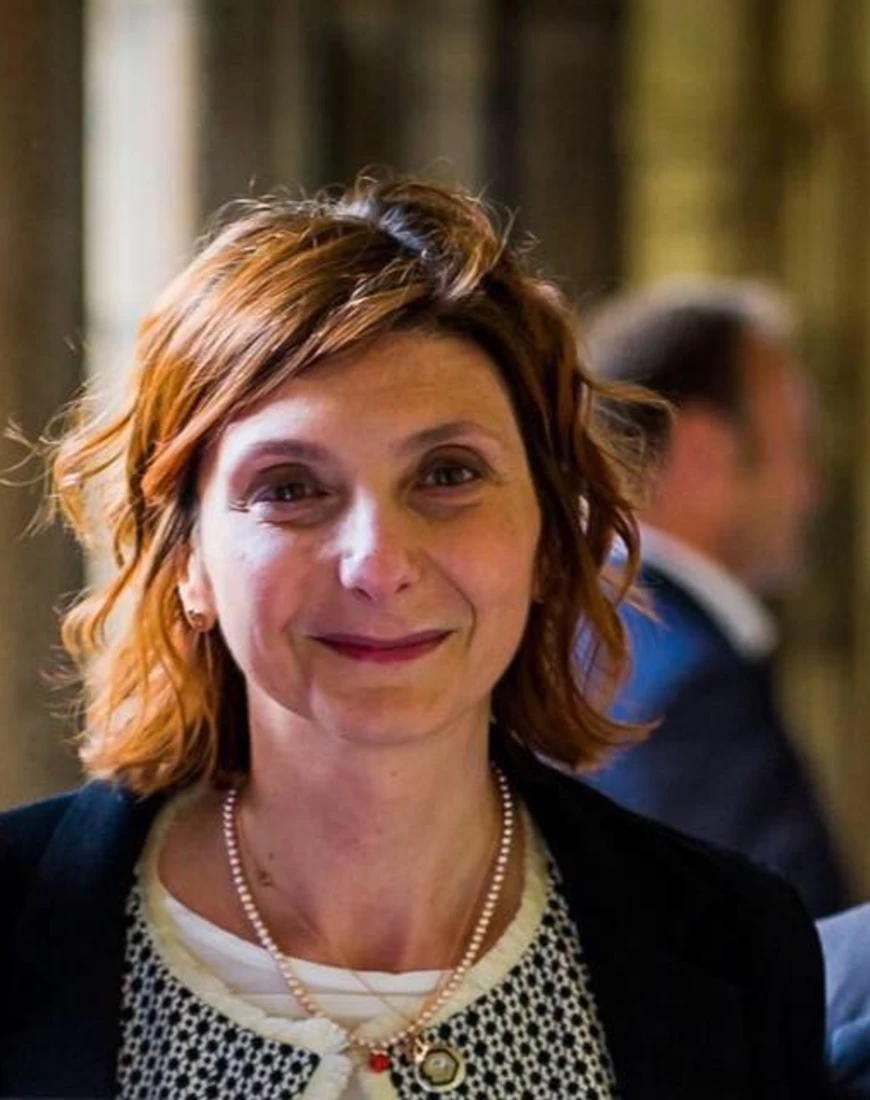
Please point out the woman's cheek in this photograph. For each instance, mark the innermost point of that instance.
(253, 573)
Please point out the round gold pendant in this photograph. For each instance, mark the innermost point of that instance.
(439, 1068)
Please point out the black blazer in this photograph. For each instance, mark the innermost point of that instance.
(720, 765)
(707, 970)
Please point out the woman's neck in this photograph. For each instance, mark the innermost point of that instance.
(373, 858)
(375, 872)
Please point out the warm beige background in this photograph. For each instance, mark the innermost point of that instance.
(636, 138)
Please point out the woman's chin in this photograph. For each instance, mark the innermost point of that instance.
(388, 722)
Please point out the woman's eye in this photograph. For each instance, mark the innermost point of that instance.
(291, 491)
(291, 497)
(448, 475)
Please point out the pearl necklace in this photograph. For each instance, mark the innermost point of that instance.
(378, 1049)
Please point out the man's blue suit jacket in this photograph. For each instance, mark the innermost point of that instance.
(846, 943)
(720, 765)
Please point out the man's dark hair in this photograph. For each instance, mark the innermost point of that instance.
(682, 341)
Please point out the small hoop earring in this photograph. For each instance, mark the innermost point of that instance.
(198, 620)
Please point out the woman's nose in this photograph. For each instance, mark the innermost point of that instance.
(377, 558)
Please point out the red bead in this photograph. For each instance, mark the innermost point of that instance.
(379, 1062)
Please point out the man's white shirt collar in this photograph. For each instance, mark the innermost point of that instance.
(737, 611)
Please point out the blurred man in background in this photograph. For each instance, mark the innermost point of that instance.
(732, 488)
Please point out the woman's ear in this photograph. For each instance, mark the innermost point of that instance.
(195, 591)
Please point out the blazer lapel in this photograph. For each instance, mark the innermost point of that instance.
(674, 1029)
(68, 951)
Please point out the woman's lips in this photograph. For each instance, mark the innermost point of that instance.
(384, 650)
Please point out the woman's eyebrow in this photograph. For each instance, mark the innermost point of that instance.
(295, 449)
(444, 433)
(302, 450)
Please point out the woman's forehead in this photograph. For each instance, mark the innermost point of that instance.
(399, 386)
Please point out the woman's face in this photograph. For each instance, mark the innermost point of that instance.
(367, 541)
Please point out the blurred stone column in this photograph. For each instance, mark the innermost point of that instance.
(857, 765)
(141, 151)
(822, 256)
(40, 344)
(264, 101)
(447, 67)
(569, 191)
(687, 132)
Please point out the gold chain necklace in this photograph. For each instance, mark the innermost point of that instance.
(439, 1067)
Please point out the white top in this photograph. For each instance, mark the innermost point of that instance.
(736, 610)
(239, 979)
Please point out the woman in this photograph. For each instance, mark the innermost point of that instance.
(360, 501)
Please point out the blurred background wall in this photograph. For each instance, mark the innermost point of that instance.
(634, 139)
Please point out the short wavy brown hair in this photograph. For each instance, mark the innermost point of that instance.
(277, 287)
